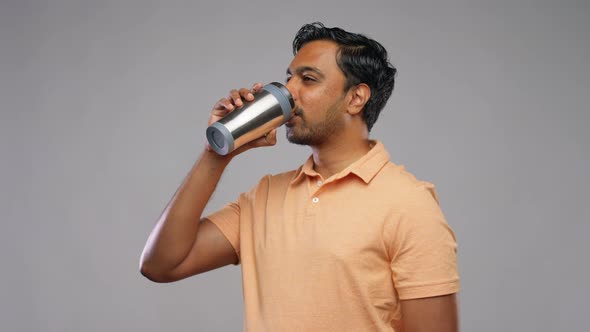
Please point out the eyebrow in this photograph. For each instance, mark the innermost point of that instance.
(300, 70)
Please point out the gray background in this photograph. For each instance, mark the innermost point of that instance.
(104, 106)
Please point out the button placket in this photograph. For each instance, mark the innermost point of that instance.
(315, 187)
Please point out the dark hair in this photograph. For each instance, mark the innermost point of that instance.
(361, 59)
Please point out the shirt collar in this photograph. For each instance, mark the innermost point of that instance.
(365, 168)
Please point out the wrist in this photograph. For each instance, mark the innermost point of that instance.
(213, 157)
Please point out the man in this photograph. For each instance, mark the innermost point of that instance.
(347, 242)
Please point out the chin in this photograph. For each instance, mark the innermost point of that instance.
(295, 139)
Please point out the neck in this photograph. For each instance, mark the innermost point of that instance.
(332, 157)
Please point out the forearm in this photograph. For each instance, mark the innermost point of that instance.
(174, 233)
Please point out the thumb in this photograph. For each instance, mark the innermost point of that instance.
(271, 137)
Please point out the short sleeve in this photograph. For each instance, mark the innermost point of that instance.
(227, 219)
(424, 249)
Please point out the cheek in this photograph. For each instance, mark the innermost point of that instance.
(314, 98)
(309, 98)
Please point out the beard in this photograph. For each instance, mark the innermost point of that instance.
(305, 133)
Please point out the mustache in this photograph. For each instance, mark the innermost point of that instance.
(298, 111)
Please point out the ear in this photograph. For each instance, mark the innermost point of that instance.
(359, 95)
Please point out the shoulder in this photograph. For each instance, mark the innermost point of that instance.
(279, 179)
(284, 177)
(272, 182)
(403, 188)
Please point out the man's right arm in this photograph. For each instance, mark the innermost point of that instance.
(182, 244)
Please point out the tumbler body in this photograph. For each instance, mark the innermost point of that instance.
(271, 108)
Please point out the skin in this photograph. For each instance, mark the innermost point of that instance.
(328, 119)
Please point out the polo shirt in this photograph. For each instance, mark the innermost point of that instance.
(339, 254)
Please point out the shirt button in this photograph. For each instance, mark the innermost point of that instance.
(320, 183)
(315, 200)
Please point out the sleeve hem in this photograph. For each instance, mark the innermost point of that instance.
(416, 292)
(225, 233)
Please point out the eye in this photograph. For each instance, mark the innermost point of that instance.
(287, 79)
(308, 78)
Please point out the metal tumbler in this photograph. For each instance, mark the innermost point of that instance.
(270, 109)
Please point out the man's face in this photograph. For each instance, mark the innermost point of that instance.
(317, 85)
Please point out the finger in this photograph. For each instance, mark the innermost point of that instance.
(246, 94)
(256, 88)
(235, 97)
(224, 104)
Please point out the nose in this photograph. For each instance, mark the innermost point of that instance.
(290, 85)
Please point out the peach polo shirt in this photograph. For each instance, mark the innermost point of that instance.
(338, 254)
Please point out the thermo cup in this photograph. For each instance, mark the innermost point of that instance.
(270, 109)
